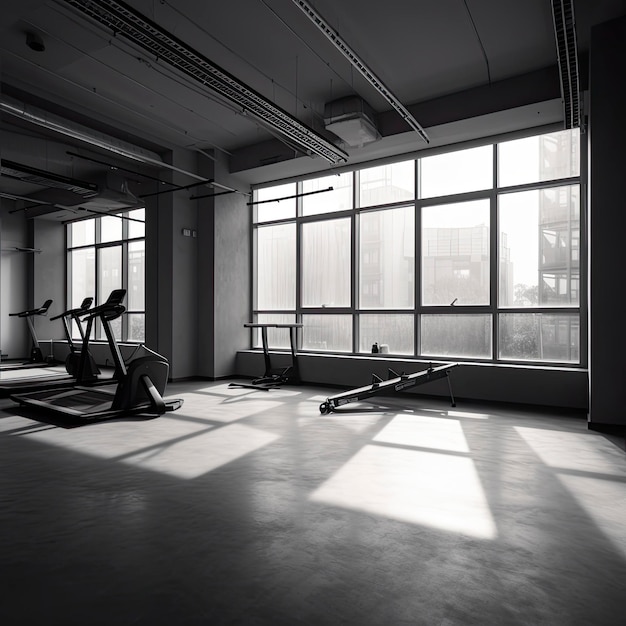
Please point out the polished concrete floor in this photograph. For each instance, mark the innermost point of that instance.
(249, 507)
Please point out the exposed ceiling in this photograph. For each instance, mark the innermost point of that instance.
(453, 63)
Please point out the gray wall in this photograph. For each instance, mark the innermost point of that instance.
(546, 386)
(49, 278)
(607, 223)
(14, 281)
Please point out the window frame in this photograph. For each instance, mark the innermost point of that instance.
(97, 246)
(493, 308)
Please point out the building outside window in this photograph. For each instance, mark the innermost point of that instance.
(466, 254)
(106, 253)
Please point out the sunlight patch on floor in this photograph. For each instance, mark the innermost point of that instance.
(355, 422)
(424, 432)
(441, 491)
(17, 425)
(477, 416)
(203, 453)
(215, 409)
(179, 448)
(584, 452)
(604, 501)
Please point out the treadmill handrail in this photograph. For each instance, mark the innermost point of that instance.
(42, 310)
(110, 309)
(104, 312)
(85, 305)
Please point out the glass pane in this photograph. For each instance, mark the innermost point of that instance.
(83, 233)
(276, 267)
(339, 199)
(276, 337)
(116, 326)
(110, 270)
(110, 277)
(281, 209)
(456, 336)
(135, 298)
(539, 243)
(388, 183)
(136, 229)
(137, 327)
(539, 337)
(455, 253)
(331, 333)
(326, 263)
(110, 229)
(539, 158)
(387, 258)
(83, 278)
(456, 172)
(396, 332)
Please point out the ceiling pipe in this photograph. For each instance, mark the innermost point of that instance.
(39, 117)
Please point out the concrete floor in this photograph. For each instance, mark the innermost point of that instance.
(246, 507)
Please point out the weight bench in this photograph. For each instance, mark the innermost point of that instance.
(395, 383)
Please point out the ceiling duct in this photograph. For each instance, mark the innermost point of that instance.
(110, 193)
(114, 194)
(567, 57)
(352, 120)
(79, 188)
(128, 23)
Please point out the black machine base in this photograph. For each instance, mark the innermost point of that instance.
(395, 383)
(274, 377)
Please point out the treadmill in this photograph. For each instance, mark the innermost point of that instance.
(14, 382)
(140, 382)
(36, 357)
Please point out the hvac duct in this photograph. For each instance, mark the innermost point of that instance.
(352, 120)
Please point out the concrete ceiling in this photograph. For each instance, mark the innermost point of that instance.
(448, 61)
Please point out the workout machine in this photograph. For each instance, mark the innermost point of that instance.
(73, 358)
(274, 377)
(51, 379)
(36, 357)
(395, 383)
(140, 382)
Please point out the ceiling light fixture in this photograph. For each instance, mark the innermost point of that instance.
(360, 65)
(125, 22)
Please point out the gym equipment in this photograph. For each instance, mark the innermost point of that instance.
(36, 357)
(274, 377)
(39, 383)
(73, 358)
(140, 382)
(395, 383)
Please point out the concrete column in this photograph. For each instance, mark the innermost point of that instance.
(607, 223)
(171, 270)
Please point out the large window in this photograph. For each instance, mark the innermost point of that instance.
(106, 253)
(466, 254)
